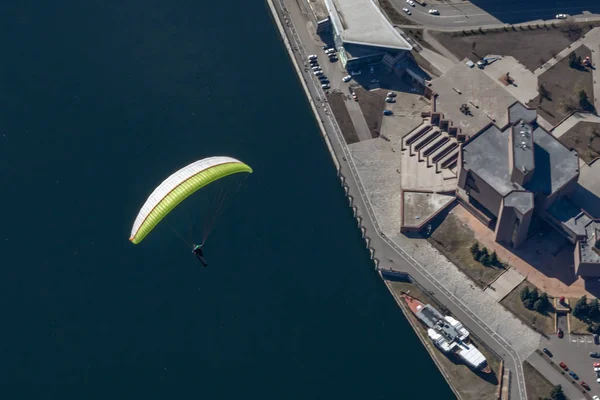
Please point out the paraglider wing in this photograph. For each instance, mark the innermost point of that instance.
(178, 187)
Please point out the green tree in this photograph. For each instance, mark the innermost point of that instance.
(525, 293)
(528, 303)
(593, 309)
(474, 249)
(557, 393)
(494, 258)
(534, 295)
(581, 308)
(482, 253)
(486, 260)
(539, 305)
(544, 299)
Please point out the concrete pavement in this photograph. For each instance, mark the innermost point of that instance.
(388, 254)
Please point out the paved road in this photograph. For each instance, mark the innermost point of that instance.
(391, 256)
(451, 15)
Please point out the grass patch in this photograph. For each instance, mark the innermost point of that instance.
(454, 240)
(470, 385)
(394, 16)
(563, 84)
(532, 48)
(372, 104)
(578, 327)
(540, 322)
(584, 138)
(538, 387)
(342, 116)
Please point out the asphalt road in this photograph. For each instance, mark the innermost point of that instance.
(451, 15)
(389, 255)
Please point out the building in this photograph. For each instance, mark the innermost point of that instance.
(517, 171)
(361, 32)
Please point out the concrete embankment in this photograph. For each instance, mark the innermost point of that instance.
(388, 253)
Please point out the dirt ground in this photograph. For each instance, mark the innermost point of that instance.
(470, 385)
(531, 47)
(372, 103)
(336, 102)
(395, 16)
(540, 322)
(538, 387)
(454, 240)
(584, 138)
(563, 84)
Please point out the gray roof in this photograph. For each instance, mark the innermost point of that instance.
(486, 154)
(589, 252)
(362, 22)
(522, 201)
(429, 315)
(571, 217)
(523, 147)
(518, 112)
(555, 165)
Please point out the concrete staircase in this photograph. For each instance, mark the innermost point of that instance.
(432, 145)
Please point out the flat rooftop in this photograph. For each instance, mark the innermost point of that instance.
(486, 155)
(319, 9)
(362, 22)
(487, 99)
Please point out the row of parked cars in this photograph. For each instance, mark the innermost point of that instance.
(316, 68)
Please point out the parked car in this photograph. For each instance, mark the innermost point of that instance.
(573, 375)
(316, 68)
(585, 385)
(326, 87)
(406, 10)
(354, 96)
(324, 81)
(594, 354)
(391, 94)
(595, 397)
(318, 73)
(390, 100)
(434, 12)
(562, 16)
(355, 73)
(597, 367)
(387, 112)
(598, 376)
(333, 59)
(563, 366)
(595, 338)
(560, 333)
(410, 2)
(547, 352)
(347, 78)
(330, 51)
(312, 57)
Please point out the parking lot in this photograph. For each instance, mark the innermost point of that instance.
(574, 350)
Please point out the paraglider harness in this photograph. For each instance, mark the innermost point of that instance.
(200, 254)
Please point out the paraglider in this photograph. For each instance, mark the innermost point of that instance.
(200, 254)
(177, 187)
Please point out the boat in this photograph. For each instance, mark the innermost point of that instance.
(448, 334)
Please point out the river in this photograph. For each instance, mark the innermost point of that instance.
(100, 101)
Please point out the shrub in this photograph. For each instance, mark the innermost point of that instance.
(525, 293)
(474, 249)
(581, 308)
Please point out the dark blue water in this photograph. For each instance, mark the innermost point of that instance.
(99, 101)
(515, 11)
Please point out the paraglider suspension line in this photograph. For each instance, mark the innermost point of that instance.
(221, 207)
(181, 237)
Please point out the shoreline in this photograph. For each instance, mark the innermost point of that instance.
(334, 156)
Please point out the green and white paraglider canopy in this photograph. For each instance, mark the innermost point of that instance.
(178, 187)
